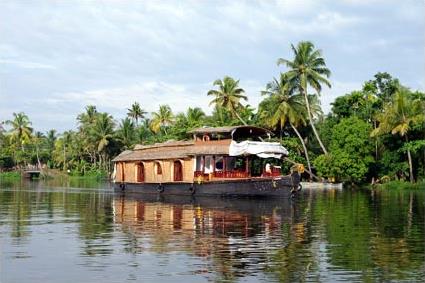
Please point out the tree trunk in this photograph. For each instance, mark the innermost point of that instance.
(64, 157)
(305, 150)
(376, 142)
(239, 117)
(409, 158)
(38, 158)
(295, 163)
(310, 117)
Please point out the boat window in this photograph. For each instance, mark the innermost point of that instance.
(230, 163)
(198, 163)
(158, 168)
(208, 164)
(219, 163)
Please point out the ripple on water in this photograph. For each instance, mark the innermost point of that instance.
(89, 235)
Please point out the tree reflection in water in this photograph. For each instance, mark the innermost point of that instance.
(323, 235)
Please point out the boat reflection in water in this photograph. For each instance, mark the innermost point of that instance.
(237, 237)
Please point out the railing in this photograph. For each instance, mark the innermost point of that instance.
(274, 173)
(223, 174)
(231, 174)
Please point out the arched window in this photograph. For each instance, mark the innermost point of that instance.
(140, 172)
(178, 171)
(158, 168)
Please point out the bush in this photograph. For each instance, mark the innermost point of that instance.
(341, 166)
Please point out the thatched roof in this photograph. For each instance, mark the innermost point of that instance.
(213, 130)
(172, 150)
(171, 143)
(235, 131)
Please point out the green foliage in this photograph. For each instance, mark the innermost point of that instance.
(352, 136)
(341, 166)
(375, 131)
(401, 185)
(10, 175)
(350, 154)
(228, 96)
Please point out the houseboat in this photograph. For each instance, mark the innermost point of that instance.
(224, 161)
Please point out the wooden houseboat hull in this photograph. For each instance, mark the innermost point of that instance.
(282, 186)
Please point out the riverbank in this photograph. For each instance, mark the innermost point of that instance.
(13, 175)
(401, 185)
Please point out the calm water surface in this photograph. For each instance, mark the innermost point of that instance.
(52, 232)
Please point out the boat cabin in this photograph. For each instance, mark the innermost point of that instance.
(213, 154)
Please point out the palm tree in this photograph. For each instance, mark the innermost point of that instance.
(161, 119)
(51, 138)
(228, 96)
(37, 139)
(67, 137)
(285, 108)
(102, 132)
(308, 68)
(21, 130)
(87, 118)
(126, 133)
(195, 117)
(136, 112)
(398, 117)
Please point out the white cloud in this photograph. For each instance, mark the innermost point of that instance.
(165, 52)
(150, 94)
(26, 64)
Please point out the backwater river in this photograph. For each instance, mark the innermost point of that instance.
(77, 231)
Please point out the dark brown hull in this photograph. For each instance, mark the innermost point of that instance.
(283, 186)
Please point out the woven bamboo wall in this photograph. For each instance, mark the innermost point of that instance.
(150, 174)
(119, 171)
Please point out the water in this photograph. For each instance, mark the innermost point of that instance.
(74, 232)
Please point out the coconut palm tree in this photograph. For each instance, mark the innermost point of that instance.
(228, 96)
(161, 119)
(87, 118)
(102, 132)
(51, 139)
(37, 140)
(21, 130)
(308, 68)
(67, 137)
(136, 112)
(195, 117)
(285, 108)
(126, 133)
(398, 117)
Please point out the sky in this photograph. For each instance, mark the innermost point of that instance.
(56, 57)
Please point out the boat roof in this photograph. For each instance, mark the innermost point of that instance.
(233, 130)
(171, 150)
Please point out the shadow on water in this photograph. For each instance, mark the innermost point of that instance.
(322, 235)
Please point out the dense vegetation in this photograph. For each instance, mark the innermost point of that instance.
(374, 133)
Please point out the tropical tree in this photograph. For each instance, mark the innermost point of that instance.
(87, 118)
(195, 117)
(136, 112)
(398, 117)
(37, 140)
(126, 133)
(284, 108)
(308, 68)
(67, 138)
(161, 119)
(21, 131)
(102, 132)
(228, 96)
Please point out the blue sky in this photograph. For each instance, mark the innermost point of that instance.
(56, 57)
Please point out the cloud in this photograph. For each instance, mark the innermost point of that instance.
(150, 94)
(26, 64)
(58, 57)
